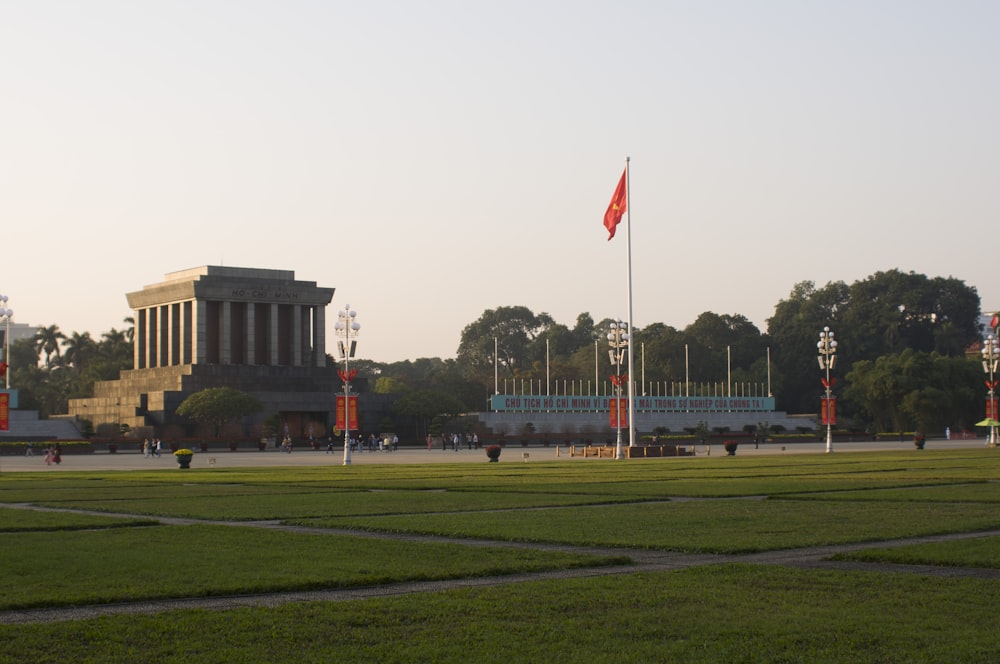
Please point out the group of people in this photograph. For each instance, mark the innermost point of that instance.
(151, 448)
(455, 440)
(53, 455)
(380, 443)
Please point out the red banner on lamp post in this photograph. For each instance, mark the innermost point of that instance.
(991, 408)
(352, 412)
(828, 410)
(618, 410)
(4, 411)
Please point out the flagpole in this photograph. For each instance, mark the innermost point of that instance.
(631, 331)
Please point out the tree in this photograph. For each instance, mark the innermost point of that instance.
(389, 385)
(722, 341)
(886, 313)
(891, 311)
(217, 406)
(664, 347)
(425, 405)
(507, 332)
(80, 349)
(794, 329)
(914, 390)
(47, 341)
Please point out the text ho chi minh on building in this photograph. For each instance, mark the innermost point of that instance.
(257, 330)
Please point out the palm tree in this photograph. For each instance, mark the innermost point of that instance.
(47, 341)
(115, 345)
(79, 349)
(130, 330)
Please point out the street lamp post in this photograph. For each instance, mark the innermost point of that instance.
(5, 316)
(827, 356)
(618, 339)
(991, 353)
(348, 328)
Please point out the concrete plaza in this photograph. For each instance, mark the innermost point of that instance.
(103, 461)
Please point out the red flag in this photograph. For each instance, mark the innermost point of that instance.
(617, 207)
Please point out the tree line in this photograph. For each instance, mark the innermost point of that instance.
(902, 364)
(51, 368)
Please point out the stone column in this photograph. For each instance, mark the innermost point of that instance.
(319, 336)
(184, 342)
(139, 339)
(273, 341)
(163, 340)
(296, 336)
(152, 335)
(198, 332)
(172, 334)
(225, 330)
(251, 334)
(306, 335)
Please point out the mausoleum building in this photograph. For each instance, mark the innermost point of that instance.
(257, 330)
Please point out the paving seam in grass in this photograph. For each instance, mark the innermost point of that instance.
(646, 561)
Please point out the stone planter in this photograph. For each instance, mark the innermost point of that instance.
(493, 452)
(184, 460)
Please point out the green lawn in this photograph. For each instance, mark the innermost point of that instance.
(716, 526)
(728, 613)
(712, 613)
(103, 566)
(977, 552)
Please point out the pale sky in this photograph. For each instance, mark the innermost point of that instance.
(431, 160)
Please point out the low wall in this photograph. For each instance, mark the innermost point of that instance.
(637, 452)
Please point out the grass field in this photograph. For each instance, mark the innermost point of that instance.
(110, 538)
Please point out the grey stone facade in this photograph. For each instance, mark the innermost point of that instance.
(259, 331)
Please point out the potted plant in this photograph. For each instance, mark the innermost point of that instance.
(730, 447)
(919, 439)
(493, 452)
(184, 457)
